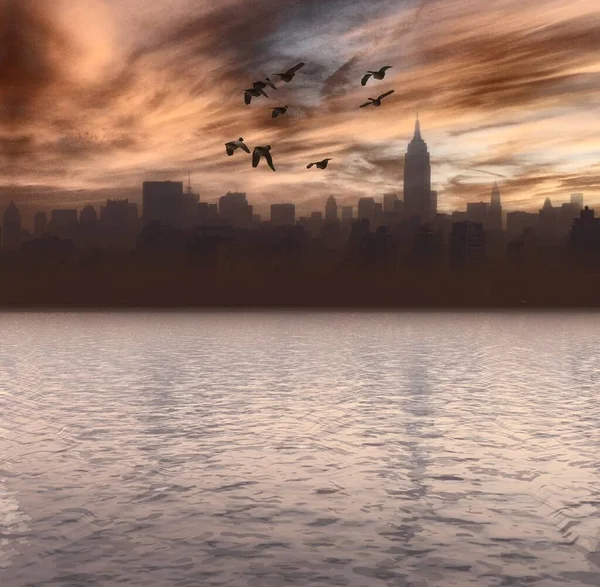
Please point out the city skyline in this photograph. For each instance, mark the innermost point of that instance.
(504, 92)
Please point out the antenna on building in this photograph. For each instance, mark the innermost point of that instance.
(189, 186)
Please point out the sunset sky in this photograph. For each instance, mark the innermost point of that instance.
(97, 96)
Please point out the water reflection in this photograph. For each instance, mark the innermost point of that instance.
(281, 448)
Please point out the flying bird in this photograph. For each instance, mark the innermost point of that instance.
(279, 110)
(253, 93)
(376, 101)
(319, 164)
(262, 152)
(290, 73)
(262, 85)
(376, 75)
(231, 146)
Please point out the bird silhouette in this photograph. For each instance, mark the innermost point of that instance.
(376, 101)
(262, 152)
(231, 146)
(253, 93)
(380, 74)
(262, 85)
(319, 164)
(279, 110)
(290, 73)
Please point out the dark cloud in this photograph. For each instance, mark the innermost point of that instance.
(32, 52)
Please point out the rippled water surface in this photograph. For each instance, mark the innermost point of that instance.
(283, 449)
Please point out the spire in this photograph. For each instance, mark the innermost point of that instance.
(417, 135)
(495, 194)
(189, 186)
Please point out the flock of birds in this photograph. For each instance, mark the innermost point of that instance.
(258, 89)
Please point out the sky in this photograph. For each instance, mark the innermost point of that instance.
(97, 96)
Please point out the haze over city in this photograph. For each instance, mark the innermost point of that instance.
(92, 104)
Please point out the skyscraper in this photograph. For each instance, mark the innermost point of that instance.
(283, 214)
(331, 211)
(389, 202)
(163, 203)
(12, 228)
(234, 209)
(40, 222)
(495, 209)
(417, 177)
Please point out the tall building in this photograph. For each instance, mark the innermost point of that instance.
(495, 209)
(478, 212)
(467, 245)
(283, 214)
(518, 222)
(346, 213)
(331, 210)
(234, 209)
(366, 210)
(40, 223)
(417, 177)
(119, 221)
(11, 233)
(389, 201)
(548, 221)
(577, 199)
(434, 202)
(190, 206)
(63, 223)
(163, 203)
(88, 216)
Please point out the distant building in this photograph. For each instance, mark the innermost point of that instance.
(495, 210)
(163, 203)
(331, 210)
(459, 216)
(389, 202)
(548, 221)
(63, 223)
(366, 209)
(40, 224)
(119, 222)
(88, 216)
(283, 214)
(11, 228)
(517, 222)
(88, 228)
(434, 203)
(577, 199)
(234, 210)
(467, 245)
(417, 178)
(346, 213)
(477, 212)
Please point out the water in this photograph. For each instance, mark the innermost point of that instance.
(272, 449)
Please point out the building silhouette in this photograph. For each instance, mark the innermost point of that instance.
(467, 246)
(477, 212)
(366, 210)
(331, 210)
(11, 228)
(417, 178)
(495, 210)
(389, 203)
(347, 214)
(119, 223)
(63, 223)
(163, 203)
(40, 224)
(283, 214)
(234, 210)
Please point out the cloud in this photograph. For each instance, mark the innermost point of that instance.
(504, 89)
